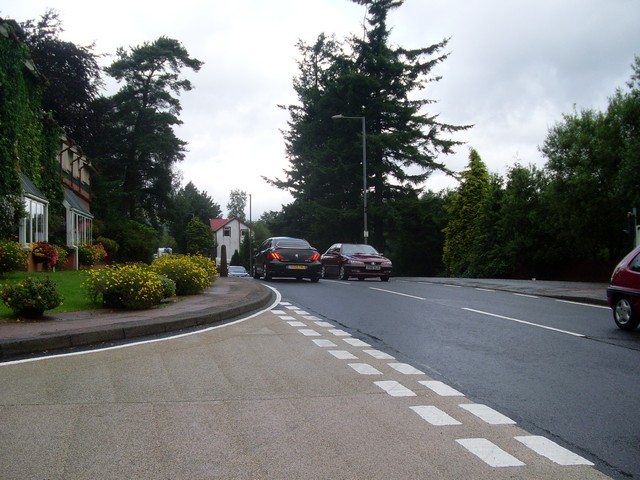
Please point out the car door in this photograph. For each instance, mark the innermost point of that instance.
(331, 259)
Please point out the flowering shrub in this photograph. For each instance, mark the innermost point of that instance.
(12, 256)
(63, 255)
(90, 255)
(31, 297)
(44, 252)
(191, 274)
(132, 285)
(204, 262)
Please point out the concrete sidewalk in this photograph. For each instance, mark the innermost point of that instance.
(226, 299)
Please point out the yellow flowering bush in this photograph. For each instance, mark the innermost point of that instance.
(131, 285)
(31, 297)
(13, 256)
(191, 273)
(91, 254)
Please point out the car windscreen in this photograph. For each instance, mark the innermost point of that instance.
(292, 243)
(359, 249)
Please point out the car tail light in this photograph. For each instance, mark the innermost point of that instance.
(315, 257)
(274, 256)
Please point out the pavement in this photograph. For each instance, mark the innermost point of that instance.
(228, 298)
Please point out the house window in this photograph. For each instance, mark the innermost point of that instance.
(226, 232)
(81, 233)
(243, 232)
(33, 227)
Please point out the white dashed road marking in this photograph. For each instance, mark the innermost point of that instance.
(356, 342)
(278, 312)
(324, 324)
(554, 452)
(489, 453)
(434, 415)
(297, 324)
(441, 389)
(406, 369)
(287, 317)
(324, 343)
(523, 322)
(395, 389)
(307, 332)
(379, 355)
(397, 293)
(487, 414)
(365, 369)
(343, 355)
(339, 333)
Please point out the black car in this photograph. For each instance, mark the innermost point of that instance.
(286, 257)
(346, 260)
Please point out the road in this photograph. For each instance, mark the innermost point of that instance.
(559, 369)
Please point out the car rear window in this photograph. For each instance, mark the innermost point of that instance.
(292, 243)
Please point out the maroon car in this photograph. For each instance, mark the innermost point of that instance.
(624, 291)
(345, 260)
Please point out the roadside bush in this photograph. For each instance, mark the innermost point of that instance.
(12, 256)
(191, 274)
(110, 246)
(133, 285)
(31, 297)
(90, 255)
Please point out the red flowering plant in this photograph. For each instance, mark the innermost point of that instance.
(44, 252)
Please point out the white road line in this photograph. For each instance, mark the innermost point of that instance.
(523, 322)
(434, 415)
(379, 355)
(365, 369)
(307, 332)
(451, 286)
(291, 307)
(311, 317)
(489, 453)
(395, 389)
(339, 333)
(324, 343)
(297, 324)
(287, 317)
(484, 289)
(441, 389)
(397, 293)
(301, 312)
(584, 304)
(343, 355)
(525, 295)
(278, 312)
(282, 303)
(554, 452)
(356, 342)
(406, 369)
(324, 324)
(487, 414)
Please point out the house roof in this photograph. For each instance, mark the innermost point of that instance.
(74, 202)
(218, 223)
(30, 189)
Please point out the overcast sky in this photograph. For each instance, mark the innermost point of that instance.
(515, 67)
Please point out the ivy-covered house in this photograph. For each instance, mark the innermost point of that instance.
(45, 186)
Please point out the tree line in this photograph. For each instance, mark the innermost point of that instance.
(563, 220)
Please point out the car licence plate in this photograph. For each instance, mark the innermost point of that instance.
(297, 267)
(373, 267)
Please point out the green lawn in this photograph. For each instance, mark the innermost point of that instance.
(68, 282)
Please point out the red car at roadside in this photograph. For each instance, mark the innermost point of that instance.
(345, 260)
(624, 291)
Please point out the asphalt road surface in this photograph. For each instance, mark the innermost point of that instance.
(559, 369)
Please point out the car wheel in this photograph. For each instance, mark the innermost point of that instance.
(314, 279)
(255, 272)
(361, 279)
(384, 278)
(343, 273)
(267, 273)
(623, 314)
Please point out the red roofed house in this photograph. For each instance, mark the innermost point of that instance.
(229, 232)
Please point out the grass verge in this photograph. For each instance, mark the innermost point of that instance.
(68, 282)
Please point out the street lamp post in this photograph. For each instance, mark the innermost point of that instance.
(364, 172)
